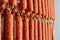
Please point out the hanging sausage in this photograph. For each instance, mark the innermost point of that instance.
(43, 30)
(23, 5)
(31, 29)
(46, 8)
(46, 31)
(40, 30)
(52, 31)
(13, 3)
(14, 29)
(43, 8)
(35, 29)
(35, 6)
(30, 6)
(26, 28)
(39, 7)
(3, 5)
(0, 27)
(52, 9)
(49, 31)
(8, 26)
(19, 28)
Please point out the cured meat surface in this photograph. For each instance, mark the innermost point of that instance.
(31, 29)
(19, 28)
(8, 26)
(26, 29)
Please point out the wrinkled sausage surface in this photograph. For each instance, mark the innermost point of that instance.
(19, 28)
(31, 29)
(26, 29)
(8, 26)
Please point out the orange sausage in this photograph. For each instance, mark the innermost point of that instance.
(49, 31)
(23, 5)
(26, 29)
(31, 29)
(49, 13)
(4, 1)
(52, 10)
(8, 26)
(40, 30)
(13, 3)
(39, 7)
(14, 29)
(46, 8)
(43, 30)
(30, 5)
(35, 6)
(46, 30)
(35, 29)
(52, 31)
(19, 28)
(43, 8)
(0, 27)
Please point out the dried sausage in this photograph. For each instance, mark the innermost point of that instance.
(35, 6)
(52, 10)
(46, 30)
(23, 5)
(8, 26)
(30, 5)
(46, 8)
(35, 29)
(13, 3)
(39, 7)
(26, 29)
(31, 29)
(43, 8)
(39, 30)
(14, 29)
(0, 27)
(43, 30)
(19, 28)
(4, 1)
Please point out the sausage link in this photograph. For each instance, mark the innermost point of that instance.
(0, 27)
(4, 1)
(23, 5)
(46, 30)
(30, 5)
(49, 13)
(46, 8)
(43, 30)
(14, 29)
(52, 31)
(43, 8)
(19, 28)
(49, 31)
(40, 30)
(35, 29)
(26, 29)
(13, 3)
(8, 26)
(35, 6)
(39, 7)
(52, 10)
(31, 29)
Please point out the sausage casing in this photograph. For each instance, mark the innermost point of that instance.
(31, 29)
(8, 26)
(26, 29)
(35, 29)
(19, 28)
